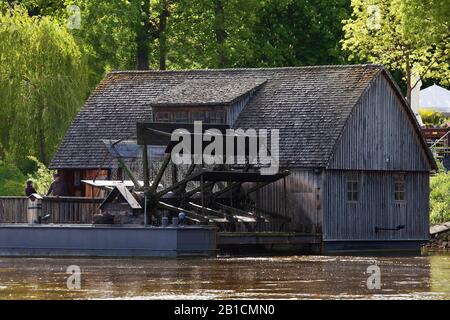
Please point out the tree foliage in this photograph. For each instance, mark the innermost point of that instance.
(42, 177)
(433, 118)
(186, 34)
(211, 34)
(299, 32)
(12, 180)
(407, 35)
(43, 81)
(107, 35)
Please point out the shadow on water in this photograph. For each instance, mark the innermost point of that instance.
(263, 277)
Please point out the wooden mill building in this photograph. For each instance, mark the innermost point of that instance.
(359, 165)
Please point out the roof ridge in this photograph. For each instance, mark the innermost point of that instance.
(337, 66)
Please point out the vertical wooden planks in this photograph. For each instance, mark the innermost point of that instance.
(376, 207)
(61, 209)
(303, 196)
(379, 135)
(13, 209)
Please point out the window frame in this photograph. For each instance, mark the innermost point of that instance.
(184, 115)
(215, 115)
(205, 115)
(158, 116)
(350, 192)
(184, 120)
(399, 180)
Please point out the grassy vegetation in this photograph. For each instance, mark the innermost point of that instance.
(440, 196)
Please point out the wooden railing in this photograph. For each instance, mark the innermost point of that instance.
(61, 209)
(13, 209)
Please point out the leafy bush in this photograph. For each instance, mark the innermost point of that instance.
(12, 180)
(432, 118)
(42, 177)
(440, 196)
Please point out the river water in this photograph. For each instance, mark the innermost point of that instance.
(281, 277)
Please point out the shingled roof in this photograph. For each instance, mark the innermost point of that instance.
(196, 92)
(309, 105)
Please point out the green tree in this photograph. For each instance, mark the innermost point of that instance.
(256, 33)
(299, 32)
(43, 81)
(107, 34)
(402, 35)
(124, 34)
(211, 34)
(42, 177)
(12, 180)
(432, 117)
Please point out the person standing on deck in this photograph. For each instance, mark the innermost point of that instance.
(58, 187)
(29, 190)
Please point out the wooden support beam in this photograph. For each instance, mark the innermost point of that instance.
(172, 187)
(208, 210)
(258, 186)
(230, 185)
(237, 211)
(191, 214)
(189, 171)
(129, 173)
(271, 215)
(160, 173)
(146, 171)
(195, 190)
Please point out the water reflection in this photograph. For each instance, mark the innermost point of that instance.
(297, 277)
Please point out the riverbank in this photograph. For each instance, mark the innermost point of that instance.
(440, 237)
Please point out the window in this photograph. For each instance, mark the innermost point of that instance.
(162, 116)
(399, 187)
(352, 188)
(181, 116)
(217, 117)
(199, 116)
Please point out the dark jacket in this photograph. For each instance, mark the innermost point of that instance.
(57, 189)
(29, 190)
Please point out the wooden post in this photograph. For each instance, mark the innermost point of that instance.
(285, 197)
(231, 193)
(202, 195)
(146, 182)
(145, 165)
(160, 173)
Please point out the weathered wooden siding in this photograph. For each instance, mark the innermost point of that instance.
(379, 135)
(302, 201)
(376, 207)
(71, 209)
(61, 209)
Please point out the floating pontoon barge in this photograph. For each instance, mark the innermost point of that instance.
(106, 241)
